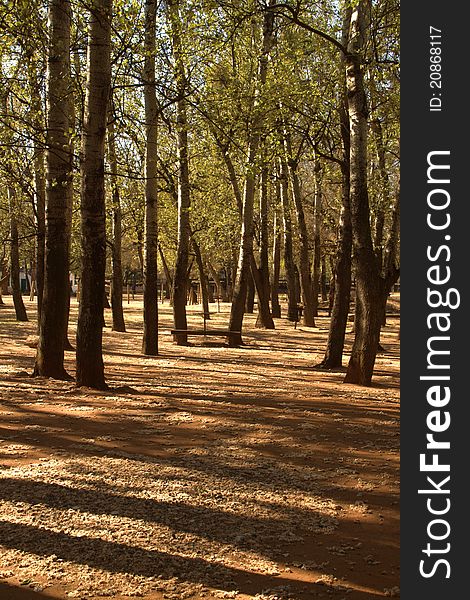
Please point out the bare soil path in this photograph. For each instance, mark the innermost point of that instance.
(207, 472)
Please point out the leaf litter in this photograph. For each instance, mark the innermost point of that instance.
(207, 479)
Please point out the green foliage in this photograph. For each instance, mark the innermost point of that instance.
(221, 50)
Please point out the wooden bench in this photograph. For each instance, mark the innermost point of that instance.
(205, 332)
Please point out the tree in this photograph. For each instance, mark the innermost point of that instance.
(116, 242)
(342, 270)
(246, 236)
(246, 101)
(54, 311)
(308, 287)
(289, 265)
(90, 366)
(276, 262)
(264, 314)
(150, 337)
(369, 283)
(39, 179)
(20, 310)
(180, 278)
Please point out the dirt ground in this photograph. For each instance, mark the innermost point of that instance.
(207, 472)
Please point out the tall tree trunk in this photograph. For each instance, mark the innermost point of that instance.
(140, 249)
(384, 197)
(27, 281)
(40, 198)
(166, 270)
(250, 293)
(307, 285)
(67, 342)
(20, 310)
(342, 290)
(90, 366)
(37, 116)
(150, 338)
(342, 269)
(390, 271)
(323, 279)
(391, 249)
(116, 245)
(232, 274)
(263, 287)
(54, 312)
(4, 275)
(203, 280)
(69, 215)
(275, 305)
(32, 287)
(240, 287)
(180, 280)
(292, 310)
(246, 238)
(383, 200)
(317, 236)
(255, 280)
(369, 283)
(232, 176)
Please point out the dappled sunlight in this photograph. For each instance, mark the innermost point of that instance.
(207, 471)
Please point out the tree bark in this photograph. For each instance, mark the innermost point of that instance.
(180, 280)
(20, 310)
(369, 283)
(307, 285)
(4, 275)
(275, 305)
(323, 279)
(342, 289)
(116, 245)
(39, 193)
(383, 200)
(317, 236)
(35, 76)
(90, 366)
(166, 270)
(342, 270)
(150, 337)
(246, 237)
(292, 310)
(263, 287)
(250, 292)
(54, 311)
(255, 280)
(391, 272)
(203, 280)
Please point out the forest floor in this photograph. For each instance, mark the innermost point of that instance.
(206, 472)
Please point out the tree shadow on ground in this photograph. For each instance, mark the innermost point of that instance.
(13, 592)
(116, 557)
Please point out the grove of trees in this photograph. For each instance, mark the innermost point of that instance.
(253, 143)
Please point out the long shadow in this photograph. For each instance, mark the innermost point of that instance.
(320, 402)
(269, 455)
(116, 557)
(211, 523)
(7, 592)
(70, 440)
(80, 426)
